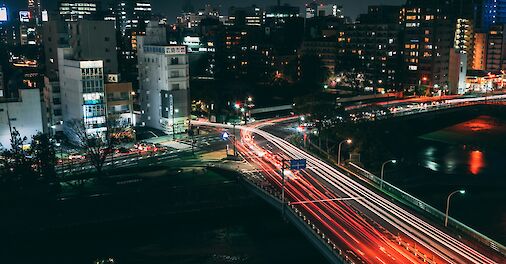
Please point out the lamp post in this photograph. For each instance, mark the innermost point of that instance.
(448, 203)
(339, 150)
(383, 170)
(174, 111)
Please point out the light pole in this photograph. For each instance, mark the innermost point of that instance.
(383, 171)
(247, 103)
(448, 204)
(339, 150)
(174, 111)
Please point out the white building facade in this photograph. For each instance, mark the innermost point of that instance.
(164, 85)
(23, 114)
(82, 94)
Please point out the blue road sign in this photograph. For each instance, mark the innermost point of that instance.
(299, 164)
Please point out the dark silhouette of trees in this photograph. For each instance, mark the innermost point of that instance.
(28, 168)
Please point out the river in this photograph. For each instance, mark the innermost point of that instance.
(470, 155)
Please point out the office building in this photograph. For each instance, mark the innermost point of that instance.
(132, 17)
(496, 48)
(82, 93)
(164, 82)
(55, 35)
(428, 37)
(494, 12)
(246, 16)
(95, 40)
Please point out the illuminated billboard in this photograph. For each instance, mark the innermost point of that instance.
(3, 14)
(24, 16)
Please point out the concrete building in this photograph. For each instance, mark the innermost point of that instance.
(479, 61)
(55, 35)
(120, 101)
(496, 48)
(82, 93)
(164, 82)
(372, 47)
(52, 110)
(464, 38)
(457, 72)
(428, 37)
(95, 40)
(325, 49)
(22, 113)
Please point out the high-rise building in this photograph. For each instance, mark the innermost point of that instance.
(132, 17)
(464, 36)
(496, 48)
(164, 81)
(55, 35)
(479, 51)
(95, 40)
(73, 10)
(372, 48)
(428, 37)
(494, 12)
(246, 16)
(82, 93)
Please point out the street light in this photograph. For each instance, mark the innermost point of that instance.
(383, 170)
(448, 203)
(339, 150)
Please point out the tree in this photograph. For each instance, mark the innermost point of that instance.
(98, 145)
(43, 153)
(313, 72)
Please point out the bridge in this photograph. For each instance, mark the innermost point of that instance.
(347, 219)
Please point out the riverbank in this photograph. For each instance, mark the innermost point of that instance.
(191, 218)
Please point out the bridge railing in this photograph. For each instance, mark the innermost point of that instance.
(296, 216)
(421, 205)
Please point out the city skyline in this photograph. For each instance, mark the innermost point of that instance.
(172, 9)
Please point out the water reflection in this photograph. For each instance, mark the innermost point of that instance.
(476, 162)
(453, 159)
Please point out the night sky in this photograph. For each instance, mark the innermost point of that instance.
(172, 8)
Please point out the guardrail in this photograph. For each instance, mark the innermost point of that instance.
(328, 248)
(407, 198)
